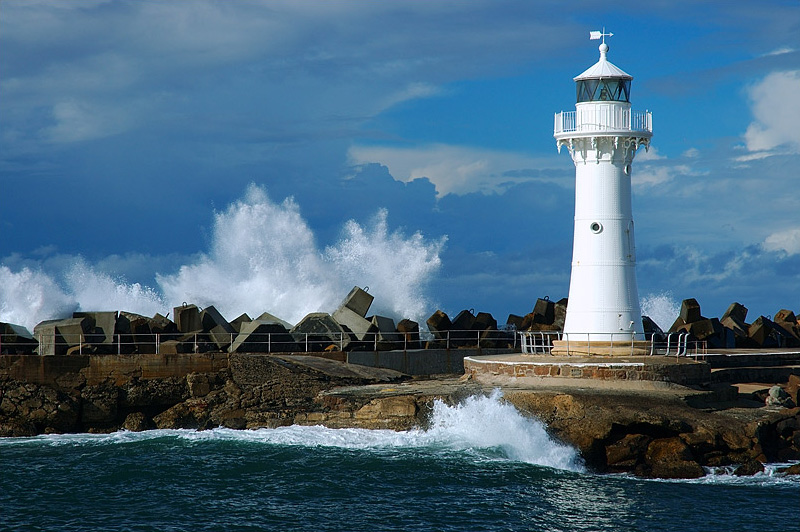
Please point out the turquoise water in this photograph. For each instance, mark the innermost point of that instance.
(481, 466)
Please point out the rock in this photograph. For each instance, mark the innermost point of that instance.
(317, 330)
(793, 387)
(198, 384)
(409, 331)
(671, 458)
(136, 422)
(690, 311)
(749, 468)
(626, 453)
(778, 397)
(187, 318)
(791, 470)
(99, 405)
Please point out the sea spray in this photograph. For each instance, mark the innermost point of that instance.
(263, 257)
(662, 308)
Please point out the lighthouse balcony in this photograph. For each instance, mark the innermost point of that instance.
(604, 121)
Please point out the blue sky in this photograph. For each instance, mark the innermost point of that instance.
(128, 129)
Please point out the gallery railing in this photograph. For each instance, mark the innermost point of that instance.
(671, 344)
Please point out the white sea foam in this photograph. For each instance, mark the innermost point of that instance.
(263, 257)
(486, 426)
(662, 308)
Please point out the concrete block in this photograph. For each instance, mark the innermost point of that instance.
(785, 315)
(387, 336)
(484, 322)
(57, 336)
(358, 301)
(318, 331)
(651, 329)
(266, 316)
(136, 334)
(544, 311)
(237, 322)
(16, 340)
(364, 330)
(736, 311)
(219, 330)
(690, 311)
(409, 331)
(105, 324)
(187, 318)
(515, 321)
(163, 325)
(462, 330)
(438, 324)
(560, 313)
(263, 337)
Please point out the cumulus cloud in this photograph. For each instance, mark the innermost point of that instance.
(457, 169)
(776, 112)
(787, 241)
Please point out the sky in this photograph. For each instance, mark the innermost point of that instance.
(407, 144)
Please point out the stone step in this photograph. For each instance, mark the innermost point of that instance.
(766, 374)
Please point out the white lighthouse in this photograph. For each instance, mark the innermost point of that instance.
(602, 135)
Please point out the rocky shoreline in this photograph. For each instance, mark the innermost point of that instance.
(650, 430)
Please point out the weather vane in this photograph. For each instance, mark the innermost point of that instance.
(594, 35)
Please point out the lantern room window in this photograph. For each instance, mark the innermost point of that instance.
(604, 90)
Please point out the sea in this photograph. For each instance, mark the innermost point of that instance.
(480, 465)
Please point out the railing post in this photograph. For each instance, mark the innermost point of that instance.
(269, 342)
(119, 344)
(306, 342)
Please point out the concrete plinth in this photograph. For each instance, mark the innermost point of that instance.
(599, 348)
(547, 368)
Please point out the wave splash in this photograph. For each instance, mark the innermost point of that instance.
(662, 308)
(263, 257)
(486, 427)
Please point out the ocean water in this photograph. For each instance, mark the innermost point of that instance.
(480, 466)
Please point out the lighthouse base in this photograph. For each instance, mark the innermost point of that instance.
(600, 348)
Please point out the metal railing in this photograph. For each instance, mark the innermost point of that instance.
(673, 344)
(270, 342)
(603, 119)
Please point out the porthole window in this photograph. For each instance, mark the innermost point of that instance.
(596, 227)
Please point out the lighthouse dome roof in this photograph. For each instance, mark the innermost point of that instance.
(603, 69)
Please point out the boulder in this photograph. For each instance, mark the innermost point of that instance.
(749, 468)
(409, 331)
(671, 458)
(318, 330)
(16, 339)
(626, 453)
(779, 397)
(690, 311)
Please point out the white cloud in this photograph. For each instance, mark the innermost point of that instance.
(454, 169)
(78, 121)
(787, 241)
(776, 110)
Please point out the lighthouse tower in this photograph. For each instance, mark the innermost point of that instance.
(602, 135)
